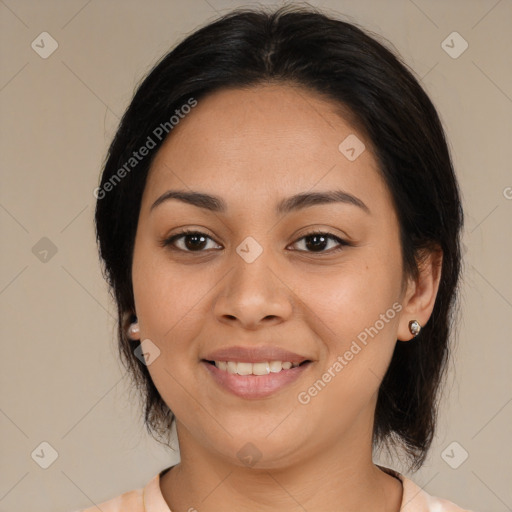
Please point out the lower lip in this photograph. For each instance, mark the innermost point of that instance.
(255, 386)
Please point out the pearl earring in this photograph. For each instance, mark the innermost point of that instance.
(414, 327)
(133, 330)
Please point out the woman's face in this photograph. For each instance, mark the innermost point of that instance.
(255, 277)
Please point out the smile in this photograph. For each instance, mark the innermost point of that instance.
(254, 380)
(260, 368)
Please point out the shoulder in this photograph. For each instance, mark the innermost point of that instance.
(148, 499)
(128, 502)
(415, 499)
(131, 501)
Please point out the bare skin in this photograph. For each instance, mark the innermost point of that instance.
(253, 148)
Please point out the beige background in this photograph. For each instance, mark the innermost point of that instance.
(60, 379)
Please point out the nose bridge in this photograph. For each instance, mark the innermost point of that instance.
(252, 278)
(252, 291)
(252, 264)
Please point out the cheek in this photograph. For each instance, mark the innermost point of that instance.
(353, 297)
(168, 298)
(356, 313)
(170, 305)
(357, 324)
(174, 303)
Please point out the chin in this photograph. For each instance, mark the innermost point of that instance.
(261, 452)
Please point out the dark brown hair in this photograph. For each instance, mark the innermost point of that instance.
(361, 77)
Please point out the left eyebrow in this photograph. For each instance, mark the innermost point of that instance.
(287, 205)
(308, 199)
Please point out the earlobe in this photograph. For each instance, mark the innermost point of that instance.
(421, 295)
(131, 327)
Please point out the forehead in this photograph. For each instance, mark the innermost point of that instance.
(271, 140)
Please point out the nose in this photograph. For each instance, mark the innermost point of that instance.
(254, 295)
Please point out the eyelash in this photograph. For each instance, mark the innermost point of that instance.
(168, 242)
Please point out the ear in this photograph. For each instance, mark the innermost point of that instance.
(421, 292)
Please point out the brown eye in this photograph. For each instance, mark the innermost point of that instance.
(189, 241)
(195, 241)
(318, 241)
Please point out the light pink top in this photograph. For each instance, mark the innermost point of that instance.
(150, 499)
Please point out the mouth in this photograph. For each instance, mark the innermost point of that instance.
(257, 368)
(253, 381)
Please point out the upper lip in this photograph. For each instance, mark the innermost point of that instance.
(254, 354)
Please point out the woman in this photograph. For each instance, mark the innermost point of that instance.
(279, 222)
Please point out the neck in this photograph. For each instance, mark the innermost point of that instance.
(340, 477)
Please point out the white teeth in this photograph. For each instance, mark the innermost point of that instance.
(244, 368)
(260, 368)
(275, 366)
(263, 368)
